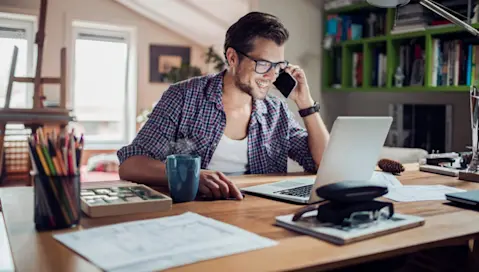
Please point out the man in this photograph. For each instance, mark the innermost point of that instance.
(229, 119)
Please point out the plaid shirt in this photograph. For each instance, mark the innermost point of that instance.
(190, 118)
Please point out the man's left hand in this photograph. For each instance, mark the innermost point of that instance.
(301, 94)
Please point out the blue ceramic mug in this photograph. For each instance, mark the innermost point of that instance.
(183, 173)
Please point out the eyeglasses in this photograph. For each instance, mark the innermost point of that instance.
(264, 66)
(364, 219)
(347, 216)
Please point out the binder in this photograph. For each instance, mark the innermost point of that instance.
(470, 198)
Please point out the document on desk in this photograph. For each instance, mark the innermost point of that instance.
(384, 178)
(6, 259)
(411, 193)
(162, 243)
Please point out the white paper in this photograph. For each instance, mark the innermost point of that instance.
(411, 193)
(384, 178)
(6, 259)
(158, 244)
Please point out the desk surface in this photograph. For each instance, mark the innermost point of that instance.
(445, 224)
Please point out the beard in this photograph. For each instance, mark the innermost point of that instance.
(249, 89)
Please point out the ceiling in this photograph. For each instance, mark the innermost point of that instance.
(202, 21)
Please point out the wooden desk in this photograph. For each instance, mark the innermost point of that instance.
(444, 225)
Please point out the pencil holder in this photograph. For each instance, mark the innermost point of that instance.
(57, 201)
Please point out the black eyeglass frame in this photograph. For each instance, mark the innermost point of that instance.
(270, 63)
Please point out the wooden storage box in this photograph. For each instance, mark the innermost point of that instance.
(110, 199)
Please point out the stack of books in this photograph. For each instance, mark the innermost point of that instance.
(458, 8)
(412, 17)
(415, 17)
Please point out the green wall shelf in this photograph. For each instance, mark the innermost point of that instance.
(402, 89)
(391, 44)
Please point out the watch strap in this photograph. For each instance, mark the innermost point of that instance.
(310, 110)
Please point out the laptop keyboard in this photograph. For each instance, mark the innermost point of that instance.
(302, 191)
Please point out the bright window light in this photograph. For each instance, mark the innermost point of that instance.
(100, 85)
(9, 38)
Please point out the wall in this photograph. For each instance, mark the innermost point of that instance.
(303, 20)
(60, 15)
(376, 103)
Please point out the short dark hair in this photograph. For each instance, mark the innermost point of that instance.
(241, 35)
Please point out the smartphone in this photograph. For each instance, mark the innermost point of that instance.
(285, 83)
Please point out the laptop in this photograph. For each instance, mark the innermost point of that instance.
(352, 153)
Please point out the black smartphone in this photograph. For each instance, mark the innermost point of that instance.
(285, 83)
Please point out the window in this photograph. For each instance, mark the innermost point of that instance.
(102, 96)
(15, 30)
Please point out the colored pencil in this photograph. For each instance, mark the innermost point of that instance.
(55, 164)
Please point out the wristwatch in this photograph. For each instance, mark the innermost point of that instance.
(310, 110)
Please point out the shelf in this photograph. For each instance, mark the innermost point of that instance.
(401, 89)
(408, 35)
(351, 42)
(446, 29)
(431, 89)
(362, 41)
(381, 55)
(349, 8)
(415, 34)
(351, 89)
(375, 39)
(433, 30)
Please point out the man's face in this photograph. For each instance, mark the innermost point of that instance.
(249, 76)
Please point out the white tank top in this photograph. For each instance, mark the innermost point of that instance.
(230, 157)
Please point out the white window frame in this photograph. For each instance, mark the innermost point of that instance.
(129, 34)
(29, 24)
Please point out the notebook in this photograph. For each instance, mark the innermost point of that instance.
(469, 197)
(345, 235)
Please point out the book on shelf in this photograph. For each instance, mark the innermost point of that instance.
(357, 71)
(379, 67)
(356, 26)
(411, 62)
(336, 56)
(343, 28)
(454, 63)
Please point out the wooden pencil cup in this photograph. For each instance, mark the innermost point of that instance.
(56, 201)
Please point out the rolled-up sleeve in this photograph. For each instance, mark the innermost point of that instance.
(298, 145)
(154, 138)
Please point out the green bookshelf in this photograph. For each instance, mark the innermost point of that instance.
(390, 44)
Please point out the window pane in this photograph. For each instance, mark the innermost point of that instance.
(19, 90)
(100, 88)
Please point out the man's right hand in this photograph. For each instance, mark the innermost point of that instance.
(216, 185)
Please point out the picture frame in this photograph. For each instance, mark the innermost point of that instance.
(165, 57)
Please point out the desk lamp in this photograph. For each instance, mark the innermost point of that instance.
(472, 171)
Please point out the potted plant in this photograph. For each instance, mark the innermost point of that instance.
(185, 71)
(213, 58)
